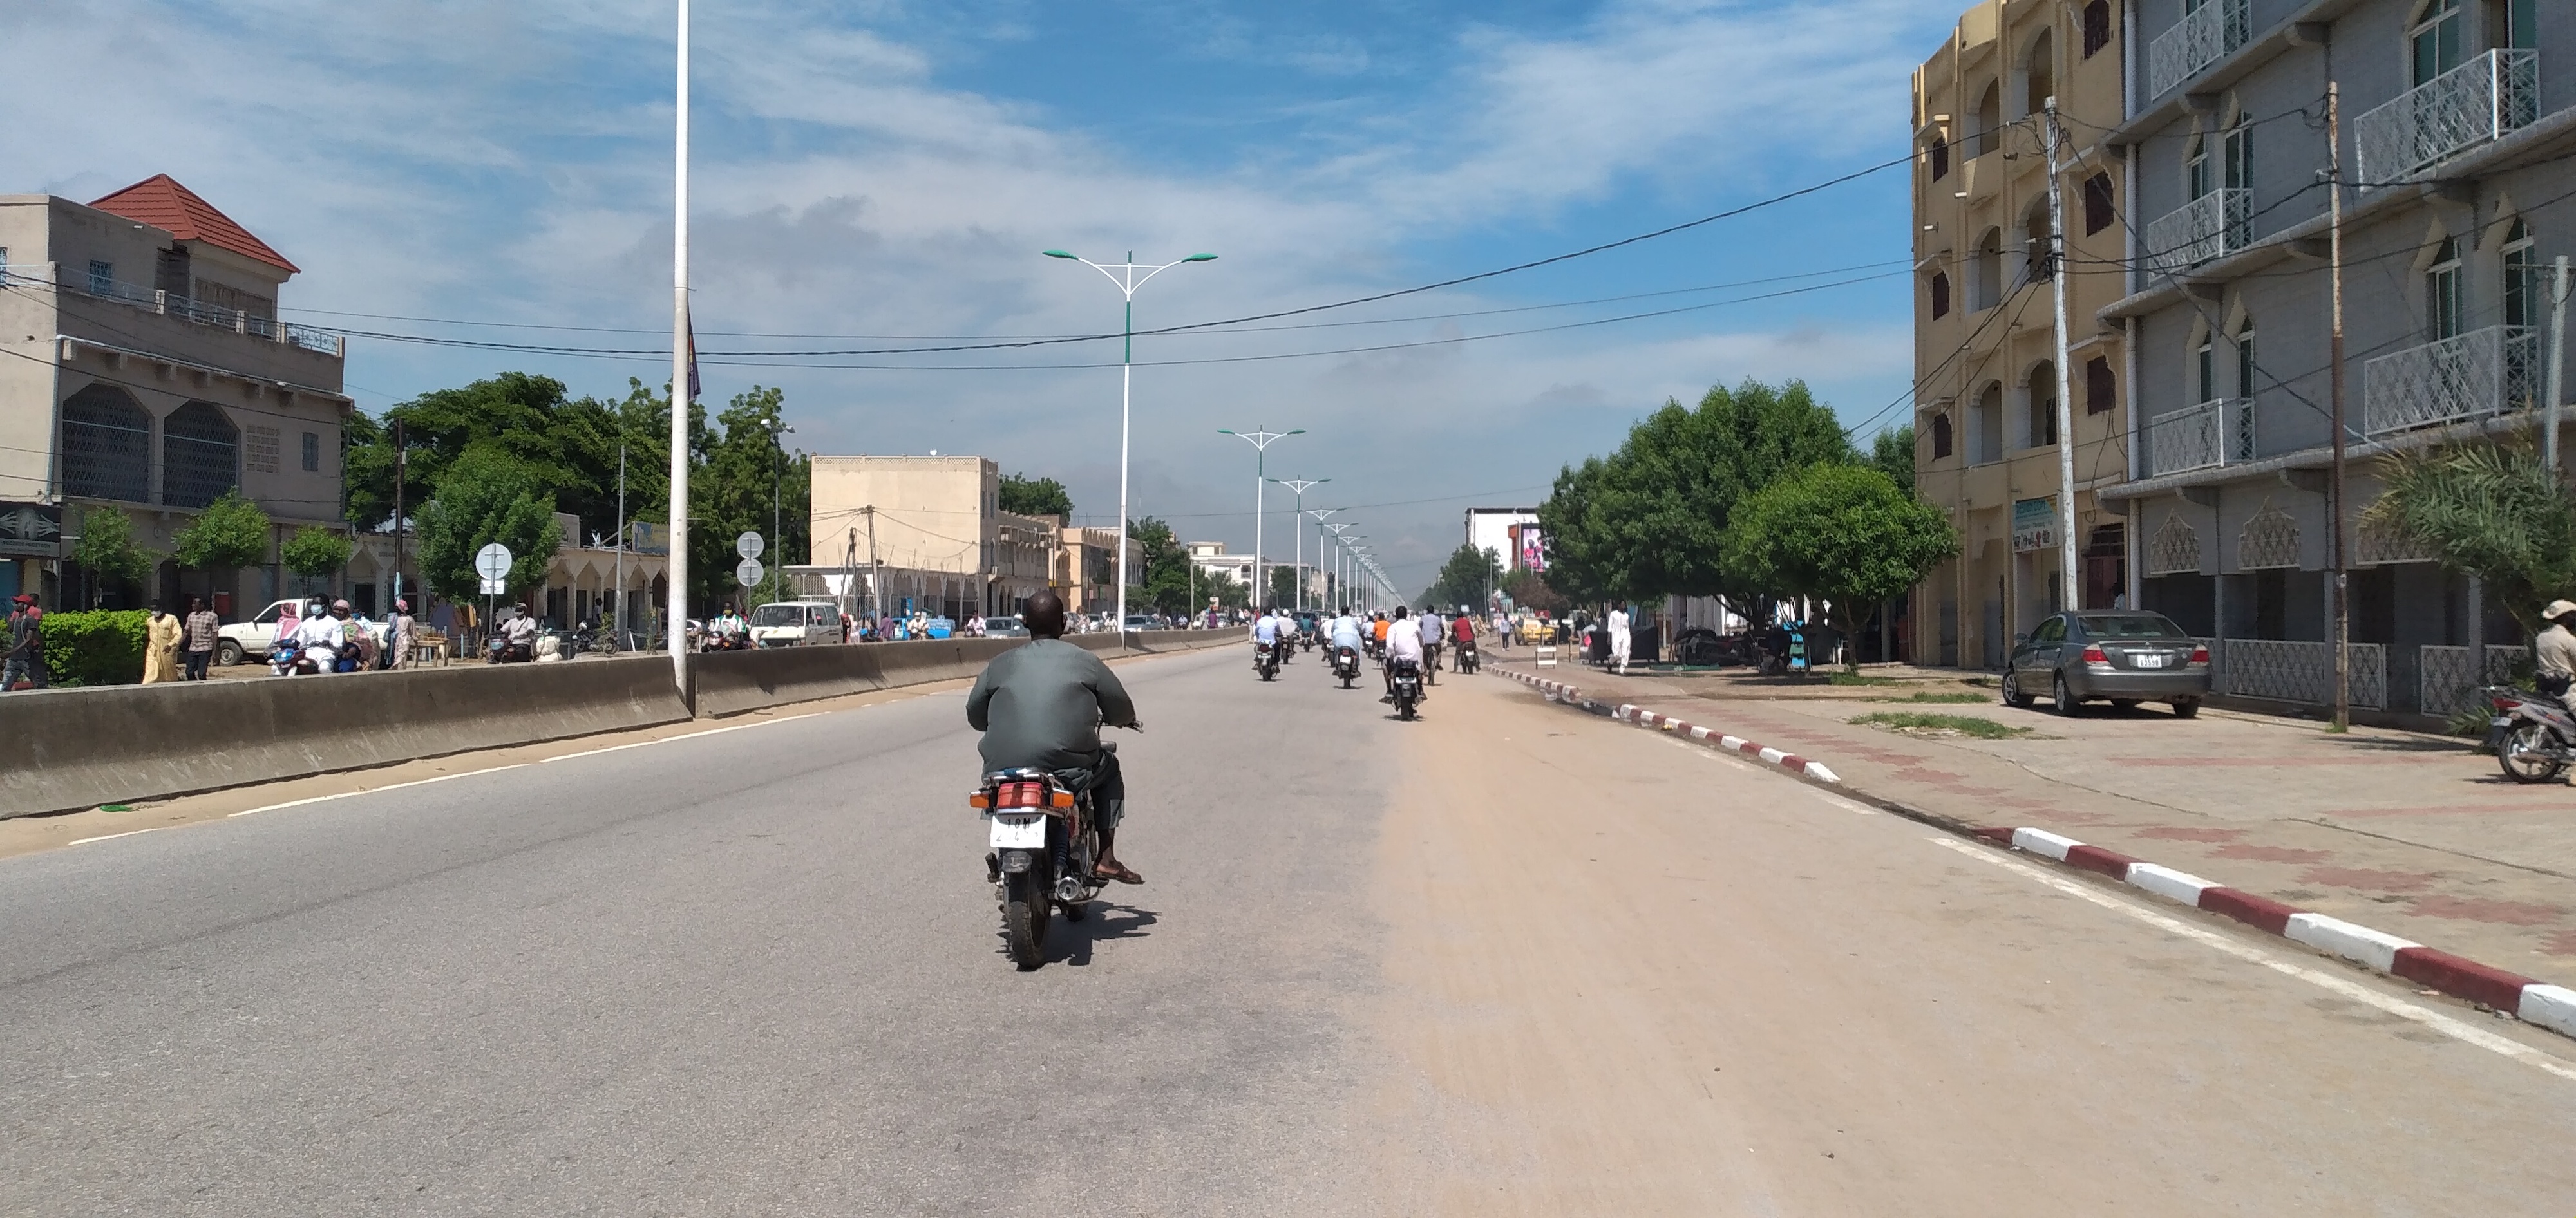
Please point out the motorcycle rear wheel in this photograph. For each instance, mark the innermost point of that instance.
(1025, 906)
(2526, 754)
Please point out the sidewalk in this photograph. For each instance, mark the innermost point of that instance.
(2413, 834)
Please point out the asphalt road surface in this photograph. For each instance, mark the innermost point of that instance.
(1507, 959)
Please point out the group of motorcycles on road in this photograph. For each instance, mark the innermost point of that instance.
(1406, 678)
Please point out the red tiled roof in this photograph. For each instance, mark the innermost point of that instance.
(162, 202)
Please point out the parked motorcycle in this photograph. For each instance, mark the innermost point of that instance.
(1265, 660)
(2531, 733)
(1346, 665)
(1408, 688)
(1043, 846)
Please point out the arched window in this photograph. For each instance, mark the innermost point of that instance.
(1940, 295)
(1990, 118)
(2197, 180)
(1986, 433)
(2523, 296)
(2236, 148)
(2435, 39)
(1939, 154)
(2039, 73)
(2442, 291)
(2101, 387)
(2042, 397)
(1941, 439)
(107, 445)
(2097, 27)
(2245, 366)
(200, 455)
(2101, 207)
(2205, 367)
(1989, 283)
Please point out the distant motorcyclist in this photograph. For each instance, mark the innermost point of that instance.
(520, 632)
(1345, 630)
(1462, 637)
(1041, 705)
(321, 637)
(1403, 646)
(1432, 632)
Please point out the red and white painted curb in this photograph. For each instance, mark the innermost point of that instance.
(2549, 1006)
(1559, 691)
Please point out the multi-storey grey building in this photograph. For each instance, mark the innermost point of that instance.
(2458, 133)
(143, 367)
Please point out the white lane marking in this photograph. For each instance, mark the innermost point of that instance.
(417, 782)
(128, 833)
(2339, 986)
(713, 731)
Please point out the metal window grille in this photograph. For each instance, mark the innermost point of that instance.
(2175, 550)
(2270, 540)
(107, 446)
(200, 455)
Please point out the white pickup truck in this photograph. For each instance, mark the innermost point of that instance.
(251, 640)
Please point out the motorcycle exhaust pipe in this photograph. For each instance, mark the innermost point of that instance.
(1069, 889)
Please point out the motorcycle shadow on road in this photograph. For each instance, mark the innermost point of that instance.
(1107, 922)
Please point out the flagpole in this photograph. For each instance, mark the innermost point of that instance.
(676, 631)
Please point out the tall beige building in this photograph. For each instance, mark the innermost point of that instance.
(934, 529)
(1986, 433)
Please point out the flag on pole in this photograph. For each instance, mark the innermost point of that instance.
(693, 359)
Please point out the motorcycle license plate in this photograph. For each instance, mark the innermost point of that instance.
(1019, 832)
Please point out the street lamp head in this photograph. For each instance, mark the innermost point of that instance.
(1200, 258)
(1058, 254)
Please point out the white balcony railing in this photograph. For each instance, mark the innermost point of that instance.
(2478, 101)
(2480, 373)
(18, 274)
(2212, 225)
(2199, 437)
(2204, 34)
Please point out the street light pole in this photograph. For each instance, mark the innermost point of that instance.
(777, 476)
(1320, 543)
(1261, 441)
(1127, 280)
(1297, 522)
(675, 632)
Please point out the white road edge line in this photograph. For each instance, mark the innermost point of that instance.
(2342, 987)
(417, 782)
(713, 731)
(128, 833)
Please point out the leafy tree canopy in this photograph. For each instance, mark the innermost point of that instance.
(486, 495)
(107, 550)
(569, 444)
(1843, 533)
(1035, 496)
(1465, 579)
(1893, 454)
(743, 466)
(315, 551)
(231, 532)
(2494, 511)
(1164, 586)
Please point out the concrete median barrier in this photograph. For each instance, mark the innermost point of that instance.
(78, 748)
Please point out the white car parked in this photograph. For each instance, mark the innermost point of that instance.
(790, 623)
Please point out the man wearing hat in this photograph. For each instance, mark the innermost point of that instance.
(2554, 651)
(26, 637)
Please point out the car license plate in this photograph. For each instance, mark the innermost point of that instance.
(1019, 833)
(2147, 659)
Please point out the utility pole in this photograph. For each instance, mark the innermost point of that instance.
(2334, 356)
(676, 632)
(876, 569)
(2069, 579)
(617, 608)
(2557, 364)
(400, 462)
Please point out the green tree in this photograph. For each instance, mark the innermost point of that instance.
(486, 495)
(1035, 496)
(571, 444)
(1893, 454)
(230, 533)
(743, 466)
(1530, 590)
(1166, 581)
(107, 552)
(1283, 587)
(2494, 511)
(1651, 519)
(315, 552)
(1843, 533)
(1465, 579)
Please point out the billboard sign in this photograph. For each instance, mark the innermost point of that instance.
(1533, 548)
(31, 530)
(2034, 524)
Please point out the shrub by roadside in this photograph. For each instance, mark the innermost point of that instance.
(96, 646)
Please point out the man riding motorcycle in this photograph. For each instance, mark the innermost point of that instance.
(1040, 705)
(1462, 637)
(1271, 632)
(1432, 632)
(1344, 632)
(322, 638)
(1403, 646)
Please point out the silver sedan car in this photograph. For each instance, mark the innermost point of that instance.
(2123, 657)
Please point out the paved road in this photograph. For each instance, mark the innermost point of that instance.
(1505, 960)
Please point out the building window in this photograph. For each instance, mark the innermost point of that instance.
(1941, 441)
(2522, 292)
(2101, 390)
(312, 453)
(2435, 39)
(1989, 271)
(2206, 359)
(1989, 120)
(200, 455)
(2042, 395)
(2442, 292)
(102, 278)
(2245, 366)
(2097, 27)
(107, 446)
(2237, 149)
(2039, 73)
(2100, 211)
(1986, 434)
(1940, 153)
(1940, 295)
(2522, 24)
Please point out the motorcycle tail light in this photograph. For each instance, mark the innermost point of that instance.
(2504, 705)
(1023, 795)
(2093, 654)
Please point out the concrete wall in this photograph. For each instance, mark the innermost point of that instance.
(78, 748)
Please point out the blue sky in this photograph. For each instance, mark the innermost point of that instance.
(892, 169)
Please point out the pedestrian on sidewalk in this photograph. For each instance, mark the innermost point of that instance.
(402, 634)
(25, 635)
(200, 628)
(160, 647)
(1619, 637)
